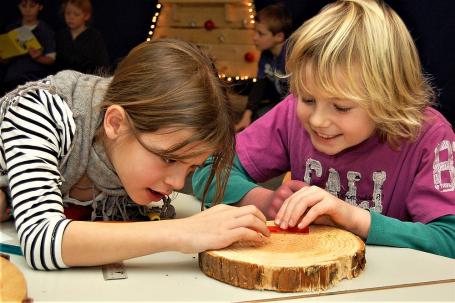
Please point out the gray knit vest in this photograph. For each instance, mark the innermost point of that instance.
(84, 95)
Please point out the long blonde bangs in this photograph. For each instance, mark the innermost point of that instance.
(361, 50)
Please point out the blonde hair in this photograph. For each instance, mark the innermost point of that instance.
(366, 43)
(172, 84)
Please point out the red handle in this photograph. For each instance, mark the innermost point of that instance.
(277, 229)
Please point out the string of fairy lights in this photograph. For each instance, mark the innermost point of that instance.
(251, 11)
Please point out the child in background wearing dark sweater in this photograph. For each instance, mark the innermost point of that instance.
(36, 64)
(79, 46)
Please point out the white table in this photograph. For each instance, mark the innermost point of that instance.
(391, 274)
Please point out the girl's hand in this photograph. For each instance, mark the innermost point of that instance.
(281, 194)
(221, 226)
(315, 205)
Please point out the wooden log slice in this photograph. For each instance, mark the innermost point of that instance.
(289, 262)
(12, 283)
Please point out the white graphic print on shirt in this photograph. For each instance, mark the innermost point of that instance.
(444, 168)
(333, 184)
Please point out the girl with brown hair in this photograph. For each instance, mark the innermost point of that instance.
(116, 144)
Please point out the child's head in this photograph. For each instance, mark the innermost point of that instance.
(173, 104)
(360, 50)
(30, 10)
(77, 13)
(273, 26)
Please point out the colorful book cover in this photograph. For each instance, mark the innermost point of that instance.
(17, 42)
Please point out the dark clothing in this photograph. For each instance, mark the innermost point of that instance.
(87, 53)
(270, 87)
(23, 68)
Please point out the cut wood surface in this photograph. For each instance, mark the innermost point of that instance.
(289, 262)
(12, 282)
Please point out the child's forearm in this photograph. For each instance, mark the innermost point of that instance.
(93, 243)
(437, 237)
(359, 223)
(260, 197)
(46, 60)
(96, 243)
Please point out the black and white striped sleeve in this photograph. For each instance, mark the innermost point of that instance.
(36, 133)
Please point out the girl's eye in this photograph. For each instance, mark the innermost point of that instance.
(167, 160)
(342, 109)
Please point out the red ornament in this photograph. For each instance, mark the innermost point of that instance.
(249, 57)
(209, 25)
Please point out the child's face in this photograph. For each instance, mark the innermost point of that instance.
(333, 124)
(146, 176)
(75, 18)
(264, 39)
(29, 10)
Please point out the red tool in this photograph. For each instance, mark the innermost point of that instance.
(277, 229)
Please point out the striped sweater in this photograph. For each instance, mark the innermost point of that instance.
(35, 134)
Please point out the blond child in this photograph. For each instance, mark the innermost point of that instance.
(115, 145)
(366, 151)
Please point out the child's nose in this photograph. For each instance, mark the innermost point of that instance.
(176, 179)
(319, 117)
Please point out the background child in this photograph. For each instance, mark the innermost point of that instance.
(36, 64)
(359, 131)
(273, 26)
(115, 143)
(80, 47)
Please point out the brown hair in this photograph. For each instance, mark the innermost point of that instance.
(84, 5)
(366, 43)
(168, 83)
(277, 19)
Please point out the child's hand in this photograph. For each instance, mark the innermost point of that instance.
(281, 194)
(35, 53)
(313, 204)
(221, 226)
(245, 121)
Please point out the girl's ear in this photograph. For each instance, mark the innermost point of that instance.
(115, 122)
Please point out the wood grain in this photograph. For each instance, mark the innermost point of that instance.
(12, 282)
(289, 262)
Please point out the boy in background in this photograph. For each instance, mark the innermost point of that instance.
(80, 47)
(273, 26)
(36, 64)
